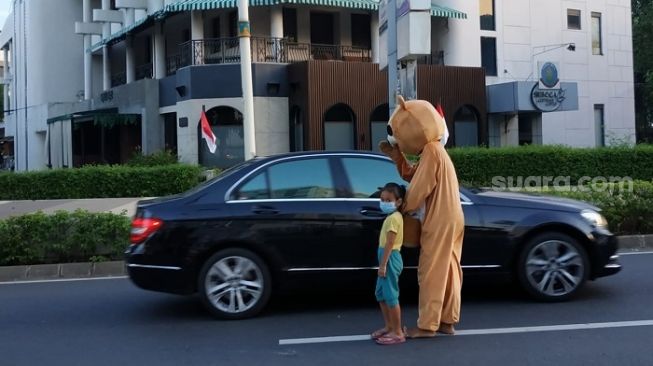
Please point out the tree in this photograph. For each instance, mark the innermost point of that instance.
(643, 59)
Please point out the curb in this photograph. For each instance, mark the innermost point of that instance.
(627, 243)
(635, 242)
(62, 271)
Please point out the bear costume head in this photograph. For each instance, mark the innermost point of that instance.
(414, 124)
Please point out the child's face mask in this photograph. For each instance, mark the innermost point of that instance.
(388, 207)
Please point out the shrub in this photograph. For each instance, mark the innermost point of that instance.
(156, 159)
(99, 182)
(62, 237)
(627, 211)
(477, 166)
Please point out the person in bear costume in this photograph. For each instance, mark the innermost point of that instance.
(416, 128)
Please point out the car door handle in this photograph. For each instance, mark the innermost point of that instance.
(265, 210)
(371, 213)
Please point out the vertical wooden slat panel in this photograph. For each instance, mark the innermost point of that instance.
(321, 84)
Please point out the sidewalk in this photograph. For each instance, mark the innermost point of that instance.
(113, 205)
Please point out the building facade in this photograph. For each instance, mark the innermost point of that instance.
(589, 42)
(134, 76)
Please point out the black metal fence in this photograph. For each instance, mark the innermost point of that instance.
(264, 49)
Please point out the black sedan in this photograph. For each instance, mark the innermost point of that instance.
(313, 216)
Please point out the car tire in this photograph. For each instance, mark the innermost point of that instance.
(234, 284)
(552, 267)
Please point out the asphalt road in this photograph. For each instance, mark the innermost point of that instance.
(111, 322)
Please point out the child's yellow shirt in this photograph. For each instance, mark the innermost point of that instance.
(395, 223)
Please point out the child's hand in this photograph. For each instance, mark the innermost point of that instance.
(382, 271)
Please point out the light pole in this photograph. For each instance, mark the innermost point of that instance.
(246, 79)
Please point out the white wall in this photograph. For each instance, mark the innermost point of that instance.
(271, 119)
(524, 25)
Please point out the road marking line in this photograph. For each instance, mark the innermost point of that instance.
(635, 253)
(64, 280)
(545, 328)
(4, 202)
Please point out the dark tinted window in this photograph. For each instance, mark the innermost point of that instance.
(290, 23)
(489, 55)
(360, 31)
(367, 175)
(255, 189)
(573, 19)
(297, 179)
(487, 15)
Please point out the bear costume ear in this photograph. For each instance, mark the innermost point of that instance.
(401, 102)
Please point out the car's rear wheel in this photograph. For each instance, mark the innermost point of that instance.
(235, 284)
(553, 267)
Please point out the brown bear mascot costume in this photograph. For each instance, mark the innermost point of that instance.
(416, 128)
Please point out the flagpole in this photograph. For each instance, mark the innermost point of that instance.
(246, 79)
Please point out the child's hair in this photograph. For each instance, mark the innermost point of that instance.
(399, 191)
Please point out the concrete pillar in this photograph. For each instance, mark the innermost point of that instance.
(159, 52)
(510, 131)
(106, 68)
(7, 71)
(154, 6)
(88, 62)
(196, 25)
(276, 30)
(130, 17)
(197, 34)
(106, 60)
(374, 29)
(130, 67)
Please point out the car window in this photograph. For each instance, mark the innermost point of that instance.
(254, 189)
(367, 175)
(310, 178)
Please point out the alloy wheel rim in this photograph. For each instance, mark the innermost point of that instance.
(234, 284)
(555, 268)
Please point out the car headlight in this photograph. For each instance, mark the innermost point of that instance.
(594, 218)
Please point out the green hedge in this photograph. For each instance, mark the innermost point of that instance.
(628, 208)
(63, 237)
(99, 182)
(156, 159)
(477, 166)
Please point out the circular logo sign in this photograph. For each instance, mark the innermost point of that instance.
(547, 100)
(549, 75)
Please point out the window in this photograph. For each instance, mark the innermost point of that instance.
(360, 31)
(465, 127)
(255, 189)
(379, 125)
(597, 47)
(290, 23)
(599, 124)
(185, 35)
(487, 15)
(367, 175)
(227, 125)
(215, 27)
(573, 19)
(489, 55)
(233, 24)
(309, 178)
(339, 124)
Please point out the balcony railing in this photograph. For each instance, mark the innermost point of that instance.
(119, 78)
(144, 72)
(264, 49)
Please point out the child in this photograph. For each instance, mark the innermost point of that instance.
(390, 265)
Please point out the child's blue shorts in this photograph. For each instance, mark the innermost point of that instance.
(387, 289)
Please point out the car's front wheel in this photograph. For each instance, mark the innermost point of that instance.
(234, 284)
(553, 267)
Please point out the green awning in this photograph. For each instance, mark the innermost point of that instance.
(443, 11)
(188, 5)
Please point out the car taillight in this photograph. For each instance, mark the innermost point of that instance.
(143, 228)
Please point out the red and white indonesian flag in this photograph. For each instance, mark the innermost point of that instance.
(207, 134)
(445, 137)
